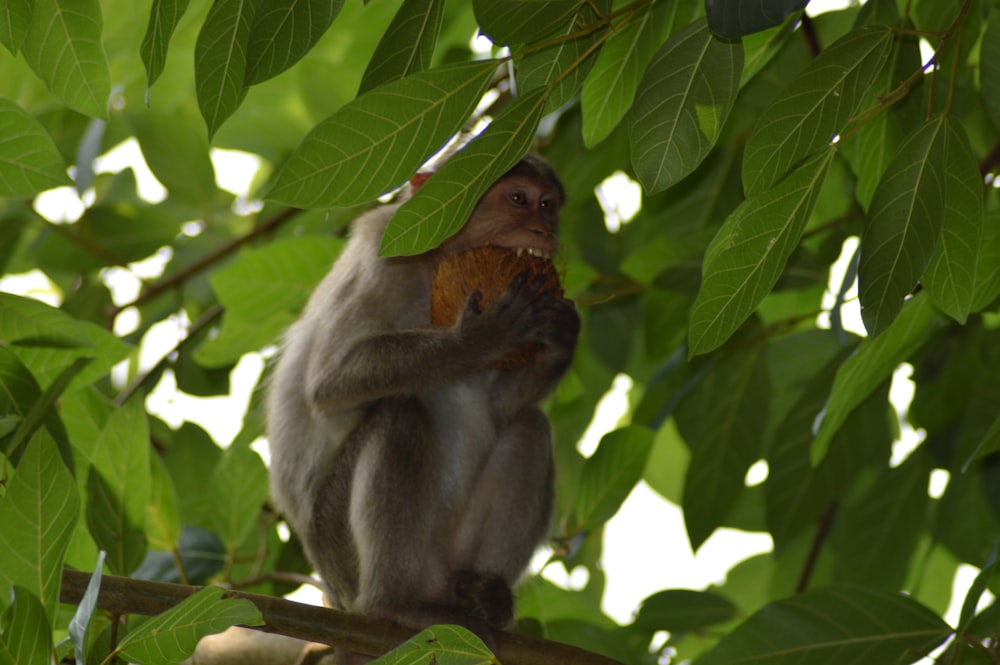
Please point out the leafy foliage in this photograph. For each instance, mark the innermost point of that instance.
(767, 144)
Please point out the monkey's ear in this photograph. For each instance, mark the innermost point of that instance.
(418, 180)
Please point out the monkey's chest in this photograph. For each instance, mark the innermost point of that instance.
(464, 430)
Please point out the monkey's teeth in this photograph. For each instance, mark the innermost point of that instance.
(531, 251)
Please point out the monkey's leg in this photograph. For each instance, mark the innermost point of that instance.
(507, 515)
(398, 513)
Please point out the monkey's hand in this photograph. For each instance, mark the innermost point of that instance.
(561, 326)
(522, 315)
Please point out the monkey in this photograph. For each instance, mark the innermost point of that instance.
(418, 476)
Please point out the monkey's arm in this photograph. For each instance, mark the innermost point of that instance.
(346, 372)
(529, 384)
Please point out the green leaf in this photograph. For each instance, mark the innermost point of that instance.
(978, 587)
(220, 60)
(904, 222)
(240, 335)
(873, 363)
(163, 512)
(43, 411)
(118, 488)
(611, 85)
(446, 200)
(798, 494)
(407, 45)
(988, 268)
(15, 16)
(871, 147)
(38, 514)
(522, 21)
(31, 322)
(737, 18)
(838, 624)
(951, 276)
(748, 254)
(377, 141)
(989, 66)
(683, 610)
(51, 340)
(682, 104)
(63, 47)
(172, 636)
(610, 474)
(25, 635)
(445, 644)
(164, 16)
(723, 422)
(177, 154)
(814, 107)
(239, 489)
(113, 234)
(563, 66)
(22, 399)
(278, 277)
(990, 443)
(29, 160)
(881, 528)
(283, 31)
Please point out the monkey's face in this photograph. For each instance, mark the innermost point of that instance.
(518, 212)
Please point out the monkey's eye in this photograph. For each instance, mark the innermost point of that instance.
(518, 198)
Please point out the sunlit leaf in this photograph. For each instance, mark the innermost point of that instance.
(748, 254)
(443, 204)
(220, 60)
(283, 31)
(176, 153)
(407, 45)
(275, 278)
(374, 143)
(814, 107)
(25, 635)
(119, 487)
(63, 47)
(51, 340)
(163, 513)
(14, 18)
(239, 489)
(682, 104)
(449, 644)
(29, 161)
(172, 636)
(164, 15)
(38, 514)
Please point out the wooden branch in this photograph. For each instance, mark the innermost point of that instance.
(361, 634)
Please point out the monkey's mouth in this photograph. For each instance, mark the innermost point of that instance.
(533, 251)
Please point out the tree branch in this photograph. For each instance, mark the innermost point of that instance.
(361, 634)
(181, 276)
